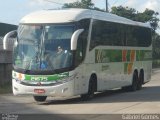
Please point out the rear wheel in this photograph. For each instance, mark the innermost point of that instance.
(134, 85)
(40, 98)
(91, 90)
(140, 81)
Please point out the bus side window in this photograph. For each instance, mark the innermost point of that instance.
(106, 33)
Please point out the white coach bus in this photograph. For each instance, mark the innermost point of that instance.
(79, 52)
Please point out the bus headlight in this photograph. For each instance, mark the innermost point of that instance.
(18, 76)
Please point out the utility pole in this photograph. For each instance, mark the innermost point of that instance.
(106, 5)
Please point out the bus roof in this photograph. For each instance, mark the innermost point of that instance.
(72, 15)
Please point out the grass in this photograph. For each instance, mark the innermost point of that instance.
(6, 89)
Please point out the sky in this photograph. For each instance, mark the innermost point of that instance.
(11, 11)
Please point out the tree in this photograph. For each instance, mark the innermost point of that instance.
(86, 4)
(124, 12)
(130, 13)
(156, 46)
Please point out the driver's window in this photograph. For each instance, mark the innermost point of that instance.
(82, 41)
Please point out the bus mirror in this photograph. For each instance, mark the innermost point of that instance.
(8, 35)
(74, 38)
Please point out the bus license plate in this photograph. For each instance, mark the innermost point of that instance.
(39, 91)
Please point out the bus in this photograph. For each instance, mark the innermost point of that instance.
(73, 52)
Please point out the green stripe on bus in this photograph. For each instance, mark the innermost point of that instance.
(46, 77)
(106, 56)
(143, 55)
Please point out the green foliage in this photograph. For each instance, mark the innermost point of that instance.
(126, 12)
(156, 46)
(156, 63)
(148, 16)
(86, 4)
(130, 13)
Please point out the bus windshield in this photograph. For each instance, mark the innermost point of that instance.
(43, 47)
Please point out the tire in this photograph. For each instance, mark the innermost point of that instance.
(40, 98)
(134, 85)
(140, 81)
(91, 90)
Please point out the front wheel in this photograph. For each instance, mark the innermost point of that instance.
(40, 98)
(91, 90)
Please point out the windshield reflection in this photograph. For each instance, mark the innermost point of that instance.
(43, 47)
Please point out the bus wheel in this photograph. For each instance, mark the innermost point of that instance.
(140, 81)
(40, 98)
(91, 90)
(134, 85)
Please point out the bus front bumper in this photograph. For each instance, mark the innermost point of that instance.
(61, 90)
